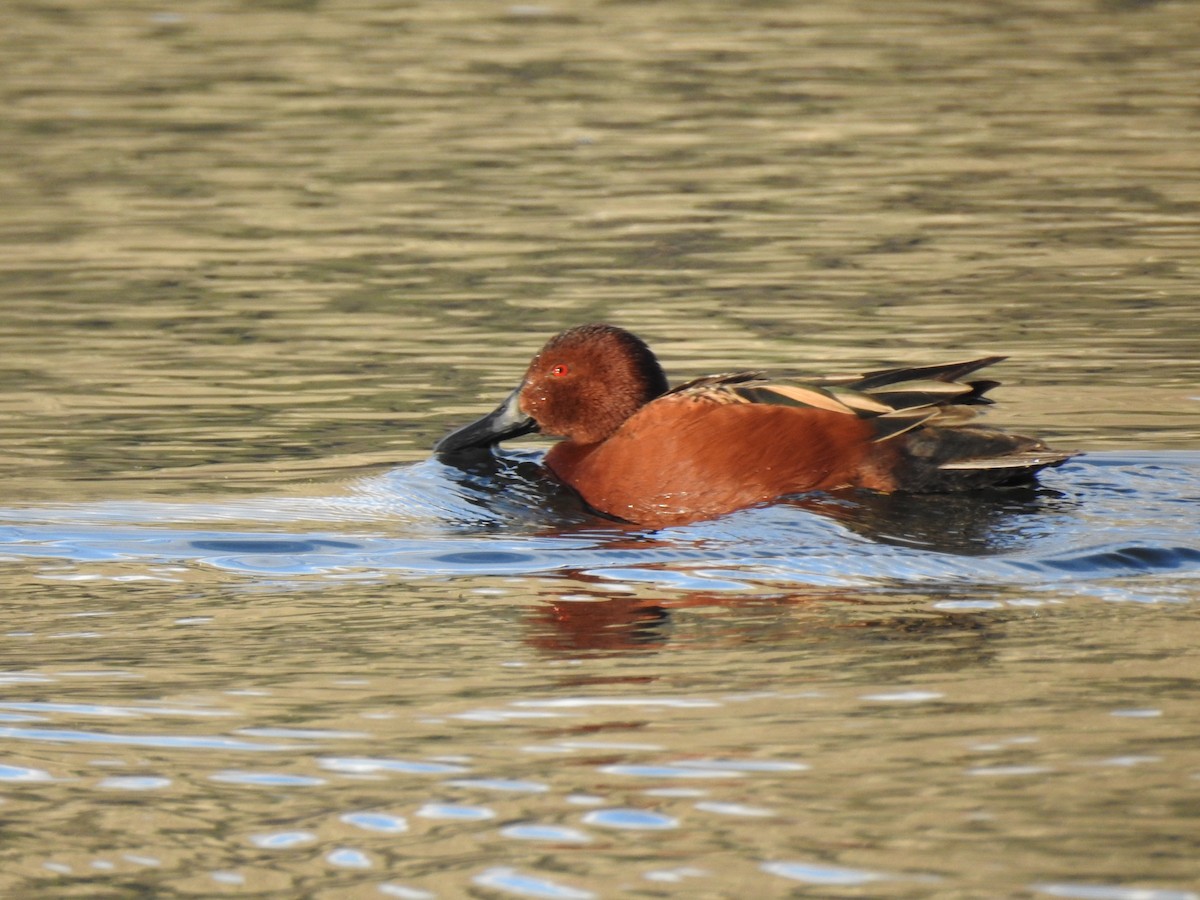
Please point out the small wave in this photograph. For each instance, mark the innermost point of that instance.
(429, 519)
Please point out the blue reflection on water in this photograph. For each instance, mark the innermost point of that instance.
(283, 840)
(433, 519)
(454, 811)
(361, 765)
(1110, 892)
(134, 783)
(192, 742)
(814, 873)
(637, 819)
(348, 858)
(553, 833)
(665, 771)
(371, 821)
(267, 779)
(510, 881)
(23, 773)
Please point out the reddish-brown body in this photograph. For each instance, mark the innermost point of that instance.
(679, 459)
(635, 450)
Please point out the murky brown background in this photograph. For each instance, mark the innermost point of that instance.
(261, 247)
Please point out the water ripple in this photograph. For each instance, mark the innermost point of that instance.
(636, 819)
(134, 783)
(282, 840)
(585, 702)
(508, 880)
(360, 765)
(501, 784)
(193, 742)
(815, 873)
(1048, 536)
(371, 821)
(454, 811)
(1111, 892)
(744, 765)
(553, 833)
(650, 771)
(405, 893)
(267, 779)
(23, 773)
(735, 809)
(348, 858)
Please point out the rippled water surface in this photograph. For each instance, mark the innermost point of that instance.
(257, 257)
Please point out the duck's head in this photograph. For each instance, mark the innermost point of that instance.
(582, 386)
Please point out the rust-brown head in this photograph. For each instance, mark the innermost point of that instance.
(582, 386)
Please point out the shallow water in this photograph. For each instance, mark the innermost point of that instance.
(257, 258)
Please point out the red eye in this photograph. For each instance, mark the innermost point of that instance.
(559, 370)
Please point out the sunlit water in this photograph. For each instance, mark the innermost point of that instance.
(255, 259)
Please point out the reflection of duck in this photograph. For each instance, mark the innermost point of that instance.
(638, 451)
(601, 623)
(578, 618)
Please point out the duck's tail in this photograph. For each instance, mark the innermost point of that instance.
(968, 457)
(940, 449)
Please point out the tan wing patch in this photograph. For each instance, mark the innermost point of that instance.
(792, 395)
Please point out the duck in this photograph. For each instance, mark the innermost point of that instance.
(636, 450)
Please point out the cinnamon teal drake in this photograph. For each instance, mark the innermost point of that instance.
(638, 450)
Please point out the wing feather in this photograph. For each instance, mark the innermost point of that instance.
(895, 400)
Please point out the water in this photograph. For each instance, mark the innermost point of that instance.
(257, 258)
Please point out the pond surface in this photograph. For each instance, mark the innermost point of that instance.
(256, 258)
